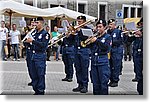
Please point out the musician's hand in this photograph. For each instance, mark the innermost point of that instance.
(29, 40)
(93, 39)
(138, 33)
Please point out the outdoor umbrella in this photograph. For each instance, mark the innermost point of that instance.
(11, 8)
(70, 14)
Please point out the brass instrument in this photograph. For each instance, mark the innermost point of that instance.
(28, 34)
(88, 41)
(131, 31)
(71, 31)
(61, 36)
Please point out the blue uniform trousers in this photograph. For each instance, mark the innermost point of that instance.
(39, 69)
(116, 63)
(29, 61)
(68, 59)
(138, 67)
(82, 65)
(100, 74)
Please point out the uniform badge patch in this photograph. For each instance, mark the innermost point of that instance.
(40, 36)
(103, 40)
(121, 35)
(114, 35)
(46, 36)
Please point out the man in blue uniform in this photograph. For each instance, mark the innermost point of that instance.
(29, 47)
(116, 53)
(68, 56)
(81, 59)
(100, 71)
(40, 43)
(138, 56)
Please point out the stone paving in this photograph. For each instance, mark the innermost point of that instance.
(15, 78)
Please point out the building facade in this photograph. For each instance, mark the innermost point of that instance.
(105, 9)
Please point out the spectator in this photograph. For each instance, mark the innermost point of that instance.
(56, 47)
(14, 33)
(3, 40)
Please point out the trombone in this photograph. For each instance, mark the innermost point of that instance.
(71, 31)
(130, 32)
(88, 41)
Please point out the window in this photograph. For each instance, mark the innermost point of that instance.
(102, 10)
(126, 12)
(82, 7)
(139, 13)
(28, 2)
(132, 12)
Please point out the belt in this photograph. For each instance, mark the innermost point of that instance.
(79, 47)
(38, 52)
(68, 46)
(103, 54)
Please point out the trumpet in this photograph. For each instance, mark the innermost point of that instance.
(28, 34)
(88, 41)
(72, 31)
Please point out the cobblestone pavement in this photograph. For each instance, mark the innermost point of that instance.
(15, 78)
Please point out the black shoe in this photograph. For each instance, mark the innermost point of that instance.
(125, 59)
(110, 83)
(120, 73)
(69, 80)
(48, 60)
(77, 89)
(129, 59)
(114, 84)
(84, 90)
(42, 93)
(65, 79)
(30, 84)
(134, 80)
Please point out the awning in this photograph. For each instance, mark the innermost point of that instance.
(135, 20)
(16, 9)
(70, 14)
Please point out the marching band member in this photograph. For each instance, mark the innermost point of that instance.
(49, 49)
(68, 56)
(40, 42)
(29, 48)
(138, 56)
(116, 53)
(81, 59)
(100, 71)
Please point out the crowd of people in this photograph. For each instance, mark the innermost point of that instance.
(106, 51)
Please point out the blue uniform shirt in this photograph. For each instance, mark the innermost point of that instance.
(40, 42)
(68, 45)
(69, 41)
(102, 45)
(80, 37)
(117, 38)
(137, 45)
